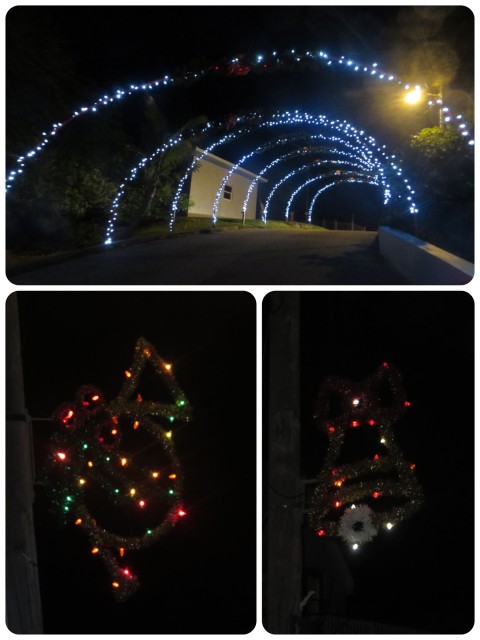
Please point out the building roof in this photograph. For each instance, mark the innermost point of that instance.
(225, 164)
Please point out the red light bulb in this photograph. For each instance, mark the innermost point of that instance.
(376, 494)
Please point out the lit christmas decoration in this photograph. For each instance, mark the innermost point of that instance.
(356, 525)
(69, 482)
(239, 66)
(371, 161)
(386, 482)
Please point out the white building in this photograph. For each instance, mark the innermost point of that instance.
(207, 179)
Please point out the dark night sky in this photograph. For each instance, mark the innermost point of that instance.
(199, 578)
(423, 577)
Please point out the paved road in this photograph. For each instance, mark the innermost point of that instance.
(244, 257)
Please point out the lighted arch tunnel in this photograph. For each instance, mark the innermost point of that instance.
(365, 180)
(311, 150)
(365, 149)
(361, 149)
(263, 63)
(262, 149)
(343, 177)
(358, 168)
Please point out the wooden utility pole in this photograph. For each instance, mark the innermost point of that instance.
(285, 488)
(24, 614)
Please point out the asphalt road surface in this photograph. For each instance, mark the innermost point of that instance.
(242, 257)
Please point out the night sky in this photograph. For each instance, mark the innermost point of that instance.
(85, 51)
(421, 578)
(200, 577)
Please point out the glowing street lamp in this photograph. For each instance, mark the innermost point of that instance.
(416, 95)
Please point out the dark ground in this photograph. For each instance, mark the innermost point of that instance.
(248, 257)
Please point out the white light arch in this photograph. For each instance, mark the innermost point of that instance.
(262, 62)
(349, 177)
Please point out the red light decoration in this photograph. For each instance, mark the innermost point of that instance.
(321, 532)
(342, 486)
(331, 429)
(74, 461)
(66, 419)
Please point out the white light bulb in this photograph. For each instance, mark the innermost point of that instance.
(389, 525)
(355, 547)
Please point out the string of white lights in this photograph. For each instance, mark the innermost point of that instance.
(264, 62)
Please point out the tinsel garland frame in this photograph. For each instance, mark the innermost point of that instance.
(340, 486)
(80, 455)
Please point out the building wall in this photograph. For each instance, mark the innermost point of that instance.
(204, 185)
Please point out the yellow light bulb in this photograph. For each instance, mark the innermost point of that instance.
(414, 96)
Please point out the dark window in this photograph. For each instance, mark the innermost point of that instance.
(227, 192)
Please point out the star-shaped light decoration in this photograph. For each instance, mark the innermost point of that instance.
(374, 404)
(91, 458)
